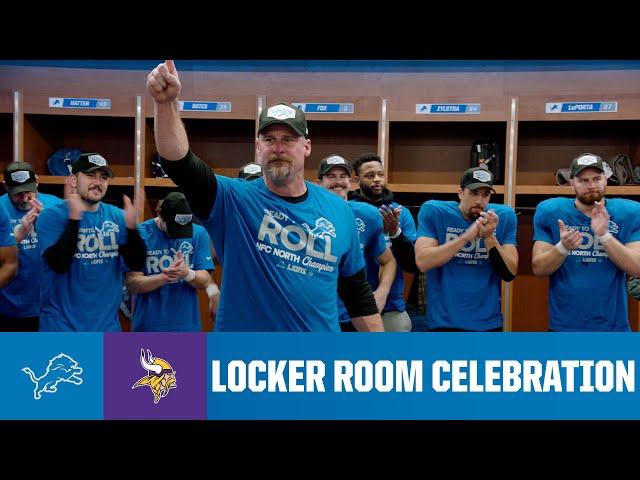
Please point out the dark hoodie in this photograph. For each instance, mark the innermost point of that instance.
(401, 246)
(385, 199)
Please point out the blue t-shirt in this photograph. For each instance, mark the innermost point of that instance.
(85, 298)
(173, 307)
(282, 259)
(6, 233)
(395, 299)
(464, 292)
(372, 242)
(21, 298)
(588, 292)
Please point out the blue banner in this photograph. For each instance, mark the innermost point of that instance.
(581, 107)
(448, 108)
(440, 376)
(325, 107)
(196, 106)
(51, 376)
(84, 103)
(307, 376)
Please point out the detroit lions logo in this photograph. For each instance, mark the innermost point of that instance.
(360, 225)
(61, 368)
(613, 227)
(322, 229)
(186, 248)
(107, 228)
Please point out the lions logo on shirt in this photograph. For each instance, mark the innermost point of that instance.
(186, 248)
(289, 240)
(360, 225)
(107, 228)
(322, 229)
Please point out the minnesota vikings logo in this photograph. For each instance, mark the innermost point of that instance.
(161, 377)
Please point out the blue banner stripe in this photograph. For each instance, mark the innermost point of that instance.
(436, 376)
(430, 376)
(448, 108)
(84, 103)
(326, 107)
(206, 106)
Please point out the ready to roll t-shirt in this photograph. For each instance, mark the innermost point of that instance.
(588, 292)
(464, 292)
(85, 298)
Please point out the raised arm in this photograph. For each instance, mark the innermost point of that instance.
(163, 84)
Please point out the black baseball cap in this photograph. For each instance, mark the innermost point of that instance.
(586, 160)
(250, 171)
(89, 162)
(20, 177)
(477, 177)
(331, 161)
(286, 114)
(177, 215)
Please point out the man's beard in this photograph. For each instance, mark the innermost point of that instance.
(278, 174)
(23, 207)
(91, 201)
(590, 198)
(369, 193)
(473, 215)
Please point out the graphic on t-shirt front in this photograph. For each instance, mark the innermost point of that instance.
(160, 258)
(302, 248)
(360, 225)
(29, 241)
(97, 243)
(590, 249)
(322, 229)
(186, 248)
(472, 253)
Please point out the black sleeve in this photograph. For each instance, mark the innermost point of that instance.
(134, 251)
(356, 294)
(498, 265)
(60, 254)
(402, 248)
(197, 181)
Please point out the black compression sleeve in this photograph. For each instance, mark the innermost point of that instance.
(197, 181)
(403, 250)
(498, 265)
(134, 251)
(60, 255)
(356, 294)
